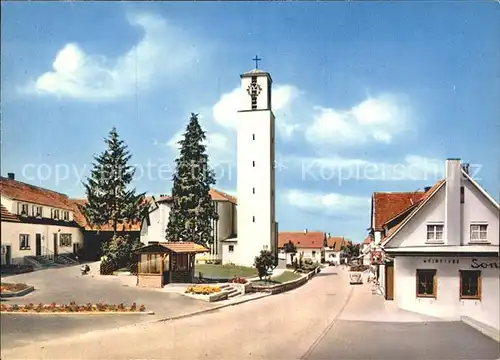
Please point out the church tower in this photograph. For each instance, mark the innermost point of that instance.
(257, 228)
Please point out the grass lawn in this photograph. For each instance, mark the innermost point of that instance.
(284, 277)
(224, 271)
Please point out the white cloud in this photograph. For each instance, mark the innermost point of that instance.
(327, 203)
(376, 119)
(410, 168)
(162, 51)
(218, 147)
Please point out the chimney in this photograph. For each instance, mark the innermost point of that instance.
(11, 176)
(452, 220)
(305, 231)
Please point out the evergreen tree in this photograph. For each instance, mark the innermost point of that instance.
(192, 208)
(108, 199)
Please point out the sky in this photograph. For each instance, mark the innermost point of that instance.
(368, 96)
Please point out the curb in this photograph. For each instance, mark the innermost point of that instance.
(486, 330)
(81, 313)
(17, 294)
(199, 312)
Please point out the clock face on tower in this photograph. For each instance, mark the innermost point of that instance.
(254, 89)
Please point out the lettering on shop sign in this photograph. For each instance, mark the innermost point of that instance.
(476, 264)
(441, 261)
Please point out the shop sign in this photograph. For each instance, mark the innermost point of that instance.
(377, 257)
(478, 264)
(441, 261)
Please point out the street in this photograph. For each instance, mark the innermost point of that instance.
(324, 319)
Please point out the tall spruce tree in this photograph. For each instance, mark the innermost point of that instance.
(192, 209)
(108, 199)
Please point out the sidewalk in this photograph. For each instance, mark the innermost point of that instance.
(367, 306)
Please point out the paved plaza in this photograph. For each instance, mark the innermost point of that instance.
(66, 284)
(324, 319)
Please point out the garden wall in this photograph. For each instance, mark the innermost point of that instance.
(290, 285)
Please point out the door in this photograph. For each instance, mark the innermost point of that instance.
(55, 244)
(389, 281)
(7, 255)
(38, 244)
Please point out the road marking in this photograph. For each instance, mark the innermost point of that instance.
(328, 328)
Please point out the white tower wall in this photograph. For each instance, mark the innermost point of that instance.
(256, 175)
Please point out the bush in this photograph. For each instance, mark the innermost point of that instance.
(119, 253)
(265, 262)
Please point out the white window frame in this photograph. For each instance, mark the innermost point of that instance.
(478, 232)
(37, 211)
(65, 240)
(55, 214)
(24, 238)
(230, 248)
(24, 207)
(432, 229)
(66, 215)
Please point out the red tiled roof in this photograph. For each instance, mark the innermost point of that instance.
(184, 247)
(20, 191)
(215, 194)
(82, 221)
(367, 240)
(387, 205)
(8, 216)
(334, 241)
(309, 240)
(427, 194)
(414, 206)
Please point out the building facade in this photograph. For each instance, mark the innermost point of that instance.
(444, 253)
(334, 250)
(153, 228)
(257, 227)
(36, 222)
(308, 244)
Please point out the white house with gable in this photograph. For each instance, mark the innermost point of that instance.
(36, 224)
(445, 252)
(257, 228)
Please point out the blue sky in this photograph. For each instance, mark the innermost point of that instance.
(368, 96)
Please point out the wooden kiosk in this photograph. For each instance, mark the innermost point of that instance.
(164, 263)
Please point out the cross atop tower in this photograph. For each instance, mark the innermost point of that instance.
(256, 59)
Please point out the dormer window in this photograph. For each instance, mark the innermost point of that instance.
(66, 215)
(24, 209)
(37, 211)
(55, 214)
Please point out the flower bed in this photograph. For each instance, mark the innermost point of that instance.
(9, 287)
(72, 307)
(238, 280)
(202, 290)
